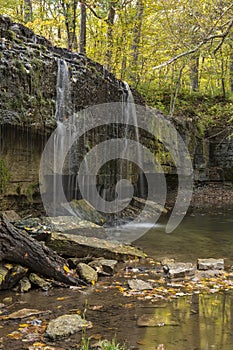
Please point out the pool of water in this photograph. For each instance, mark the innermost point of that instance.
(198, 236)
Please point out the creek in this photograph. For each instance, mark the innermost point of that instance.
(204, 322)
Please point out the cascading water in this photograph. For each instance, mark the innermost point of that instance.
(63, 110)
(129, 109)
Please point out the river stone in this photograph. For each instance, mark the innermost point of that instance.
(137, 284)
(24, 285)
(30, 223)
(40, 282)
(151, 207)
(79, 246)
(87, 273)
(10, 215)
(210, 264)
(3, 273)
(86, 211)
(106, 266)
(66, 325)
(14, 275)
(179, 270)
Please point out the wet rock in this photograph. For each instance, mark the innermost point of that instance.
(28, 223)
(86, 211)
(73, 262)
(209, 273)
(34, 227)
(14, 276)
(87, 273)
(40, 282)
(10, 275)
(3, 273)
(155, 321)
(8, 300)
(105, 266)
(74, 225)
(137, 284)
(151, 206)
(24, 285)
(210, 264)
(167, 261)
(66, 325)
(179, 270)
(10, 215)
(78, 246)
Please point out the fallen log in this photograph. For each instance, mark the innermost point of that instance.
(18, 247)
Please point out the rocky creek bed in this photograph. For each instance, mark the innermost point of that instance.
(114, 282)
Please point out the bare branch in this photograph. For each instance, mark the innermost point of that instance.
(93, 11)
(224, 36)
(195, 49)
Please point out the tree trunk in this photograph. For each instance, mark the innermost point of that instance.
(69, 12)
(110, 22)
(137, 38)
(194, 74)
(82, 35)
(231, 72)
(18, 247)
(27, 11)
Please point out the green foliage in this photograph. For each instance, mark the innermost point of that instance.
(103, 345)
(199, 33)
(31, 190)
(5, 176)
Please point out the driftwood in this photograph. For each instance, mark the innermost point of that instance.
(18, 247)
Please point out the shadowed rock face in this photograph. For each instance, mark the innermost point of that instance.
(28, 92)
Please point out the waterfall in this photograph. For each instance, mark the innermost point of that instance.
(129, 109)
(63, 100)
(62, 113)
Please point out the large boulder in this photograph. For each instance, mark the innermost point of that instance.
(78, 246)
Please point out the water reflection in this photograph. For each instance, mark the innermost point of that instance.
(205, 324)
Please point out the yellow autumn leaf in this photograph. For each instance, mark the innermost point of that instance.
(66, 268)
(8, 266)
(39, 344)
(24, 325)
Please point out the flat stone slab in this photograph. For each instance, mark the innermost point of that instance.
(79, 246)
(66, 325)
(179, 270)
(74, 225)
(137, 284)
(210, 264)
